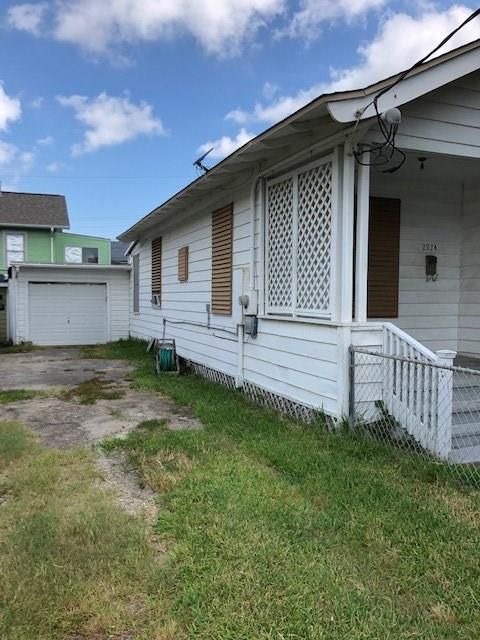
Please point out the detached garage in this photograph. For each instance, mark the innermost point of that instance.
(68, 304)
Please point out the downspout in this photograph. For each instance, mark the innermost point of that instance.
(52, 257)
(251, 282)
(253, 212)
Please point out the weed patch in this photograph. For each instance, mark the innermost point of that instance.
(89, 391)
(15, 395)
(18, 348)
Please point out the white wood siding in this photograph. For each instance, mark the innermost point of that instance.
(445, 120)
(118, 296)
(431, 211)
(295, 359)
(469, 312)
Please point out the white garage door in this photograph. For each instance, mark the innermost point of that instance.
(67, 313)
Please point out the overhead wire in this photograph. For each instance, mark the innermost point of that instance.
(384, 152)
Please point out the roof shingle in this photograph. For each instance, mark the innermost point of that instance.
(34, 209)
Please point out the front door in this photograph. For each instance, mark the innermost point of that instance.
(383, 258)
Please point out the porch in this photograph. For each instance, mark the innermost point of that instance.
(417, 262)
(417, 282)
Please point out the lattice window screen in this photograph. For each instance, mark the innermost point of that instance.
(280, 254)
(299, 231)
(314, 238)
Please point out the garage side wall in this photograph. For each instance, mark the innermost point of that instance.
(117, 297)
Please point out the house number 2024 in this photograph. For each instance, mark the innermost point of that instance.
(429, 246)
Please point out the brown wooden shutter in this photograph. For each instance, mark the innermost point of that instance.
(157, 267)
(183, 264)
(383, 258)
(222, 261)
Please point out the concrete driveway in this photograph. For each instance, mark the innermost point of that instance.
(66, 423)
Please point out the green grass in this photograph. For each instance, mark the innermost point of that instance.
(15, 395)
(89, 391)
(17, 348)
(284, 531)
(73, 565)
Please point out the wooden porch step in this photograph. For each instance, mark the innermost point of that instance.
(465, 455)
(465, 439)
(467, 381)
(466, 406)
(470, 393)
(466, 421)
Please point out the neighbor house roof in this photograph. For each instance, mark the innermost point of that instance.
(118, 251)
(33, 210)
(324, 117)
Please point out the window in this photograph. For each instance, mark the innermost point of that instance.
(157, 272)
(222, 250)
(136, 283)
(183, 264)
(15, 248)
(90, 255)
(81, 255)
(298, 242)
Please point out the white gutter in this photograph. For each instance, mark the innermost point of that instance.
(52, 257)
(94, 267)
(411, 87)
(11, 225)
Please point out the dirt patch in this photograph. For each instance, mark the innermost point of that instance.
(84, 402)
(62, 423)
(49, 368)
(124, 483)
(89, 391)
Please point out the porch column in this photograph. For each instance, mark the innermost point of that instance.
(361, 254)
(346, 236)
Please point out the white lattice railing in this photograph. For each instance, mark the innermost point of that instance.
(419, 396)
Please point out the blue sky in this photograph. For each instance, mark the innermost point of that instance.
(110, 103)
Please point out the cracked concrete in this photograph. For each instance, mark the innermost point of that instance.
(63, 424)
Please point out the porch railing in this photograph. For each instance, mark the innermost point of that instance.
(417, 392)
(412, 385)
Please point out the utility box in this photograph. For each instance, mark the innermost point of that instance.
(252, 306)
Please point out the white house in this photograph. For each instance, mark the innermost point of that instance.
(326, 248)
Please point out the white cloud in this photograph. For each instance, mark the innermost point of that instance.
(220, 26)
(7, 153)
(387, 53)
(45, 142)
(27, 17)
(383, 56)
(224, 146)
(307, 22)
(270, 90)
(239, 116)
(14, 163)
(10, 109)
(110, 120)
(53, 167)
(37, 103)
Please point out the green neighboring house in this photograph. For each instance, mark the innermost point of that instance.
(33, 229)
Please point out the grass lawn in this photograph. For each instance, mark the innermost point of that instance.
(273, 530)
(73, 565)
(282, 531)
(15, 395)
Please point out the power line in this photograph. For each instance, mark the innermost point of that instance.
(60, 177)
(384, 152)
